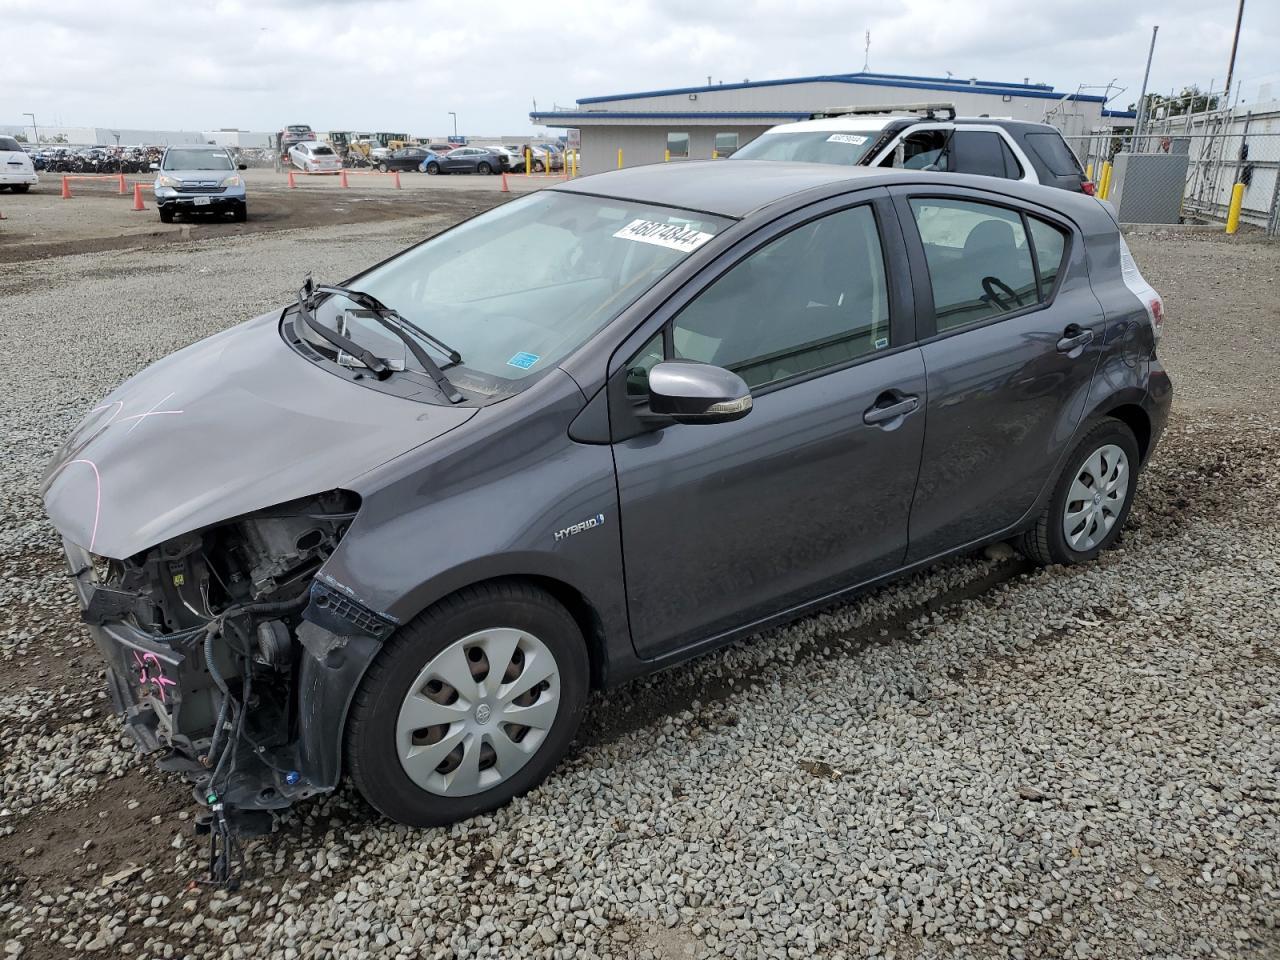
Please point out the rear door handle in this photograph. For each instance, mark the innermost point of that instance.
(1073, 338)
(897, 406)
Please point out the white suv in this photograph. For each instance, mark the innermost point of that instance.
(16, 171)
(1009, 149)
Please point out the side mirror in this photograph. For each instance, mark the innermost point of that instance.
(242, 166)
(155, 166)
(692, 392)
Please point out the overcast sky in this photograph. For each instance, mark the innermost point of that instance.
(356, 64)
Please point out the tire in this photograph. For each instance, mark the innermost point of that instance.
(538, 166)
(374, 733)
(166, 216)
(241, 213)
(484, 168)
(20, 187)
(1047, 542)
(433, 168)
(382, 168)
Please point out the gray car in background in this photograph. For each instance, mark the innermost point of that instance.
(401, 527)
(198, 179)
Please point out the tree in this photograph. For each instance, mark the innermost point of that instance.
(1191, 100)
(20, 137)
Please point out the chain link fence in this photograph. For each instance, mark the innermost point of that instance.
(1207, 153)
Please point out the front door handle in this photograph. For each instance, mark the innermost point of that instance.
(890, 406)
(1074, 337)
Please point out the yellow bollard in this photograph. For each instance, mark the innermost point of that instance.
(666, 156)
(1106, 179)
(575, 164)
(715, 154)
(1233, 212)
(1088, 171)
(528, 162)
(619, 158)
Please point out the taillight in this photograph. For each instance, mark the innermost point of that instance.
(1087, 187)
(1155, 308)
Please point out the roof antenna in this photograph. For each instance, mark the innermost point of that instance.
(866, 56)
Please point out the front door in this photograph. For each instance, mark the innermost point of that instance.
(1011, 335)
(725, 525)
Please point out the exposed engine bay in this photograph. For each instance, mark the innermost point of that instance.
(210, 640)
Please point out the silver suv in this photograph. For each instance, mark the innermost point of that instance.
(199, 179)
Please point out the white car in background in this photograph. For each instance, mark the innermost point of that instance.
(16, 170)
(311, 156)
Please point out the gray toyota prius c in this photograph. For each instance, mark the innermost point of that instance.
(401, 527)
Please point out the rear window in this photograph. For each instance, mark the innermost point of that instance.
(322, 151)
(8, 143)
(1055, 154)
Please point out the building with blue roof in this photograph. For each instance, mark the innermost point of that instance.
(716, 119)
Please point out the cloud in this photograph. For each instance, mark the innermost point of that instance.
(403, 65)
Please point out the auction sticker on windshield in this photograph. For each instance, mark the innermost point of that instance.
(853, 138)
(674, 236)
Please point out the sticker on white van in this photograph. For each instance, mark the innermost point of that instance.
(671, 235)
(856, 139)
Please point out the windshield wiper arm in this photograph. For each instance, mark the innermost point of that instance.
(377, 306)
(397, 324)
(375, 364)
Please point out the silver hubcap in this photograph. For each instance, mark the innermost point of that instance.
(478, 712)
(1096, 496)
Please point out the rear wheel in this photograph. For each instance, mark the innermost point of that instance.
(472, 703)
(20, 187)
(1091, 499)
(433, 168)
(382, 167)
(484, 168)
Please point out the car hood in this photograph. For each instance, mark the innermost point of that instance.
(203, 175)
(226, 426)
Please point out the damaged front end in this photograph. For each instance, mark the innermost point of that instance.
(227, 652)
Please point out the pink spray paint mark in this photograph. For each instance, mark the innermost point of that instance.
(157, 682)
(97, 496)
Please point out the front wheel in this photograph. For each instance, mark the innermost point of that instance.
(241, 213)
(166, 215)
(484, 168)
(472, 703)
(382, 168)
(1091, 499)
(433, 168)
(20, 187)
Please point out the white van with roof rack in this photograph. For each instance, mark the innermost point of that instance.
(926, 136)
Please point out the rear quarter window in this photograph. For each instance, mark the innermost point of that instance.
(1054, 154)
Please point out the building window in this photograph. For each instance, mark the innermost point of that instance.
(726, 144)
(678, 146)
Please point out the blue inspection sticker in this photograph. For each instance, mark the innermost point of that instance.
(523, 360)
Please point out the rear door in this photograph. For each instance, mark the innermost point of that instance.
(1011, 335)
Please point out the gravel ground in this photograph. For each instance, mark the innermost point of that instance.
(984, 760)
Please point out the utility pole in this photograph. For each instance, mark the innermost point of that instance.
(1142, 97)
(1235, 42)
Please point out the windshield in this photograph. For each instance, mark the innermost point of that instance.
(518, 288)
(197, 160)
(811, 146)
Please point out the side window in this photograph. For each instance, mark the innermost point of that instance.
(1051, 244)
(726, 144)
(815, 297)
(978, 257)
(922, 150)
(678, 145)
(638, 369)
(1013, 169)
(981, 152)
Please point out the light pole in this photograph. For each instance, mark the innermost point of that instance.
(455, 124)
(35, 130)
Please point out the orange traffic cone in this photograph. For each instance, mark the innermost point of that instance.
(505, 188)
(123, 189)
(137, 197)
(292, 184)
(343, 180)
(397, 176)
(66, 189)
